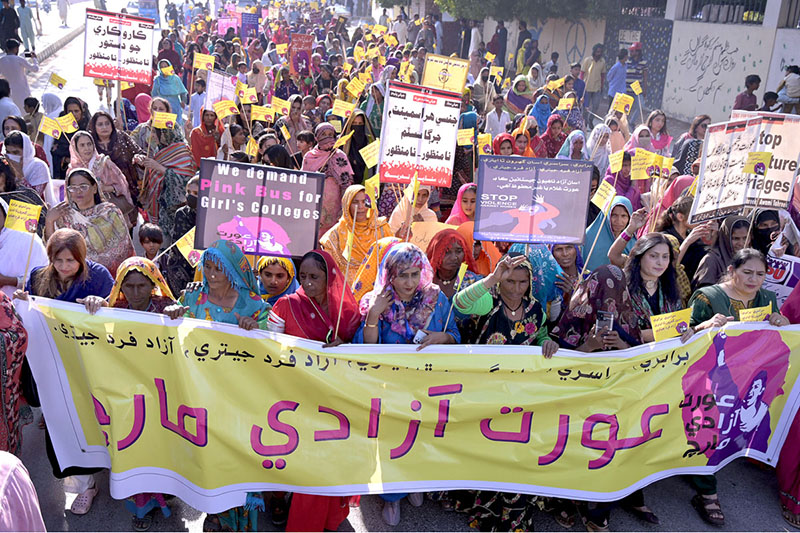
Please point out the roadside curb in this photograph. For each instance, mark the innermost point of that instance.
(62, 42)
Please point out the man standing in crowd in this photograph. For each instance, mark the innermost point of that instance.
(401, 29)
(414, 27)
(439, 32)
(636, 71)
(593, 72)
(15, 69)
(9, 24)
(617, 75)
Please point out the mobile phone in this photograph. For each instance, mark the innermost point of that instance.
(419, 337)
(605, 319)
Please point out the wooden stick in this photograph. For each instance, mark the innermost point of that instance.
(119, 106)
(28, 262)
(346, 273)
(411, 212)
(641, 111)
(452, 303)
(605, 216)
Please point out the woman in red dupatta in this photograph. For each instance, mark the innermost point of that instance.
(312, 313)
(554, 137)
(165, 178)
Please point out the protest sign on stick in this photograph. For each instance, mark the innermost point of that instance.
(118, 47)
(531, 200)
(445, 73)
(299, 52)
(265, 210)
(418, 135)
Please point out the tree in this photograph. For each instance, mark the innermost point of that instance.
(531, 11)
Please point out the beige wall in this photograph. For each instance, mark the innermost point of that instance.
(708, 64)
(786, 52)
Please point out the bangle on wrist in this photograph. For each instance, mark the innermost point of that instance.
(624, 235)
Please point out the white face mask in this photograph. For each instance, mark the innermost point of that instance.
(14, 157)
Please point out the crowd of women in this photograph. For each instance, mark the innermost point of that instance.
(131, 189)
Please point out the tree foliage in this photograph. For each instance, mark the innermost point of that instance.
(531, 11)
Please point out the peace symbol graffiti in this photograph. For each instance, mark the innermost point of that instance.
(575, 44)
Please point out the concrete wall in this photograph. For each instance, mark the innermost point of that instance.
(708, 64)
(785, 52)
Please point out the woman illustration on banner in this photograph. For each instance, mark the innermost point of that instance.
(530, 219)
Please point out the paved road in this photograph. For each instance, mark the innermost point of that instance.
(748, 491)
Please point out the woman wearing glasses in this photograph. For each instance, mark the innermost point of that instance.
(101, 223)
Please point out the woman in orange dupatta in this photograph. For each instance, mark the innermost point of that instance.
(368, 228)
(488, 255)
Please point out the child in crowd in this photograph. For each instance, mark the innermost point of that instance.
(789, 90)
(746, 100)
(197, 101)
(151, 238)
(33, 114)
(771, 103)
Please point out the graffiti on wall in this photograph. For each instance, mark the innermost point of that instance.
(704, 60)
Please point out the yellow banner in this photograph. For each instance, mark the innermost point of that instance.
(565, 103)
(446, 73)
(279, 105)
(225, 108)
(183, 404)
(67, 123)
(262, 113)
(465, 137)
(355, 87)
(370, 153)
(57, 80)
(50, 126)
(342, 109)
(603, 195)
(644, 164)
(484, 144)
(622, 103)
(203, 61)
(249, 96)
(22, 216)
(615, 161)
(164, 120)
(282, 48)
(757, 163)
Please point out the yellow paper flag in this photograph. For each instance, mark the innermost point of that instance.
(390, 40)
(348, 247)
(640, 162)
(250, 96)
(605, 193)
(355, 87)
(282, 48)
(240, 88)
(342, 109)
(465, 137)
(280, 105)
(462, 271)
(489, 56)
(262, 113)
(252, 147)
(636, 87)
(484, 144)
(670, 325)
(496, 71)
(67, 123)
(378, 29)
(666, 166)
(185, 246)
(615, 161)
(341, 141)
(565, 103)
(50, 127)
(370, 153)
(622, 103)
(57, 80)
(168, 70)
(164, 120)
(755, 314)
(225, 108)
(124, 85)
(757, 163)
(373, 188)
(693, 188)
(285, 132)
(203, 61)
(22, 216)
(358, 53)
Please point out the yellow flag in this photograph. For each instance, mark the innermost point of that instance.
(164, 120)
(622, 103)
(462, 270)
(605, 193)
(370, 153)
(390, 40)
(252, 147)
(225, 108)
(347, 67)
(484, 144)
(22, 216)
(755, 314)
(377, 29)
(240, 88)
(640, 162)
(50, 127)
(168, 70)
(341, 141)
(496, 71)
(358, 53)
(68, 123)
(693, 188)
(285, 132)
(124, 85)
(185, 246)
(565, 103)
(262, 113)
(57, 80)
(670, 325)
(757, 163)
(203, 61)
(282, 48)
(280, 105)
(250, 96)
(615, 161)
(342, 109)
(373, 186)
(636, 87)
(489, 56)
(348, 247)
(355, 87)
(465, 136)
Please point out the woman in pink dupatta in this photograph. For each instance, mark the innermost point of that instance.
(333, 163)
(788, 467)
(459, 215)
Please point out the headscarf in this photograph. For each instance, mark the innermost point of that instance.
(142, 104)
(516, 102)
(229, 258)
(625, 187)
(475, 63)
(566, 149)
(499, 140)
(602, 227)
(108, 175)
(759, 239)
(633, 142)
(316, 323)
(34, 170)
(405, 319)
(489, 256)
(441, 243)
(371, 103)
(167, 85)
(534, 82)
(713, 266)
(673, 192)
(51, 106)
(146, 268)
(335, 239)
(365, 277)
(257, 80)
(288, 265)
(522, 129)
(606, 289)
(599, 154)
(544, 271)
(400, 213)
(541, 111)
(578, 255)
(457, 215)
(335, 166)
(551, 142)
